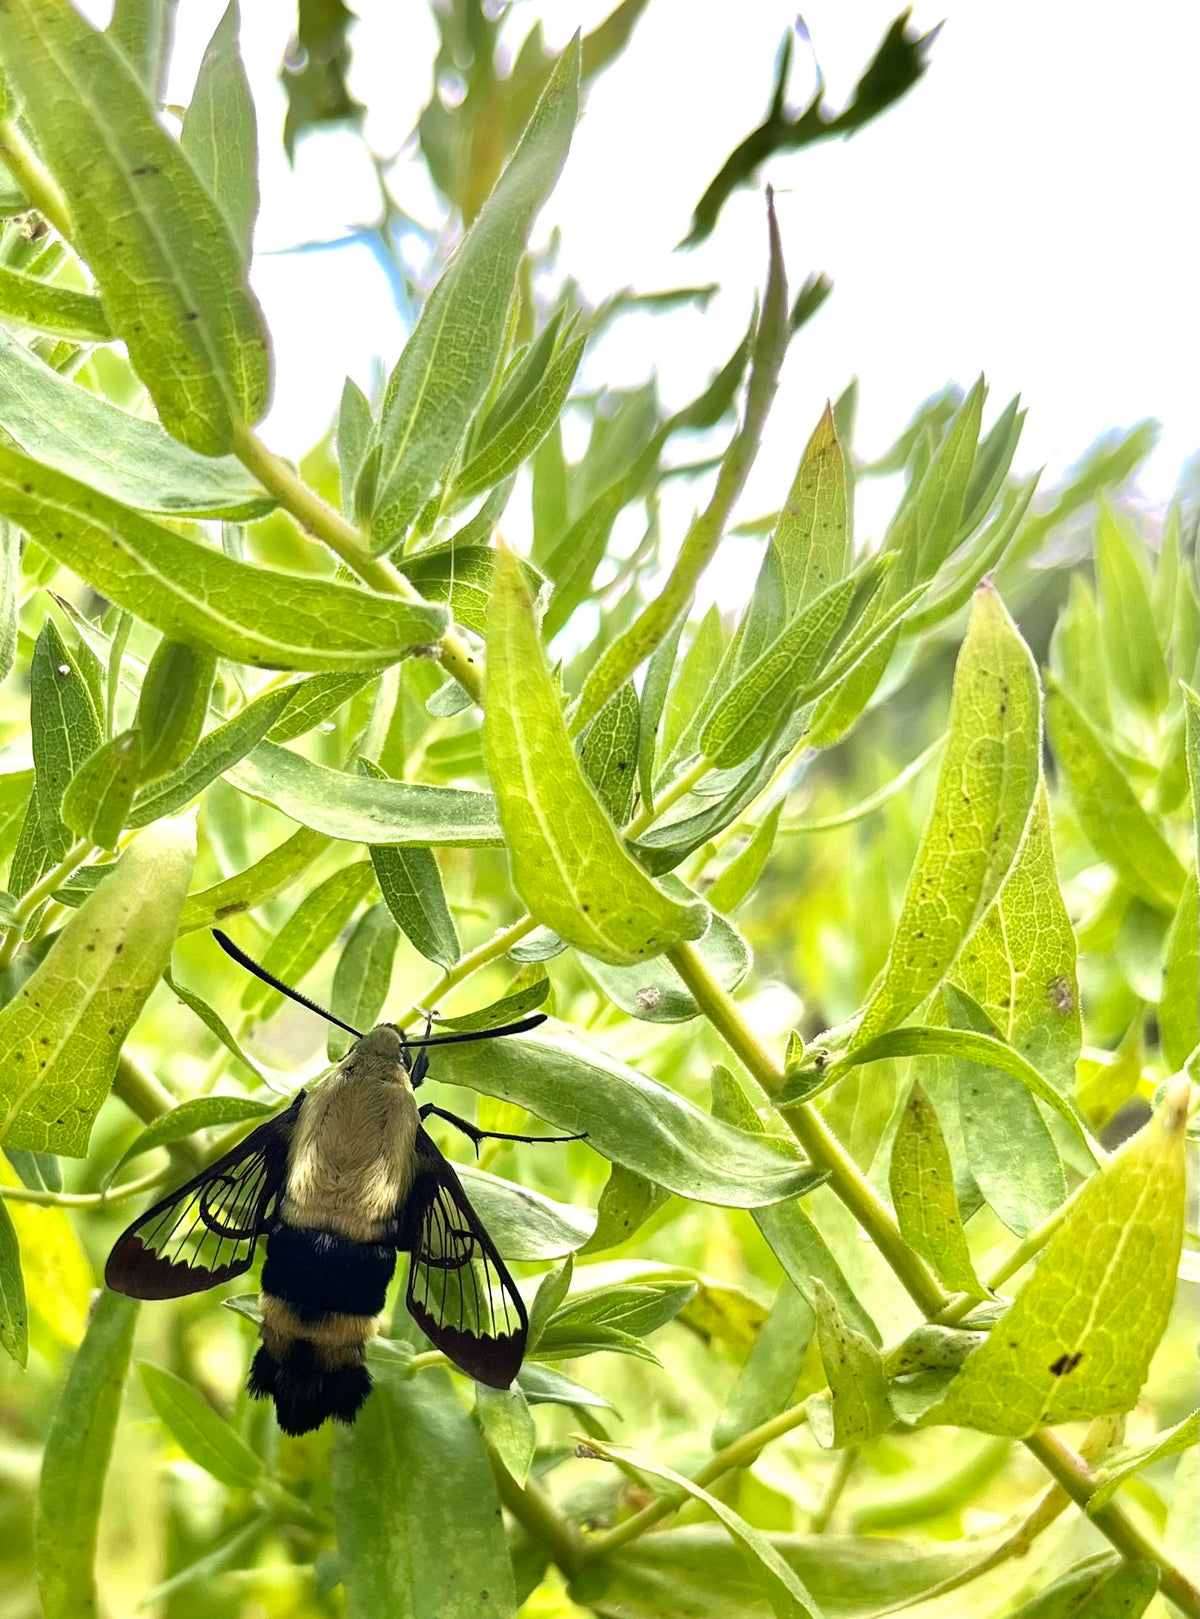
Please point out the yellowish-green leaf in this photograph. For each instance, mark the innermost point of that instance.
(1109, 812)
(58, 1280)
(97, 801)
(508, 1427)
(1132, 654)
(1180, 1437)
(786, 1593)
(309, 932)
(61, 1034)
(220, 131)
(362, 977)
(744, 870)
(158, 243)
(194, 593)
(1078, 1339)
(1019, 963)
(921, 1178)
(567, 861)
(173, 704)
(811, 538)
(44, 306)
(451, 357)
(277, 870)
(985, 791)
(856, 1407)
(769, 1375)
(14, 1311)
(1179, 1008)
(78, 1448)
(197, 1429)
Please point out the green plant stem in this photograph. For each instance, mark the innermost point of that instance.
(741, 1453)
(345, 541)
(827, 1506)
(34, 180)
(83, 1200)
(1077, 1479)
(858, 812)
(41, 890)
(819, 1142)
(679, 788)
(147, 1100)
(498, 945)
(1019, 1257)
(534, 1511)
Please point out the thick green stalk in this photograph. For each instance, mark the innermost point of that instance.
(84, 1200)
(41, 890)
(533, 1510)
(34, 180)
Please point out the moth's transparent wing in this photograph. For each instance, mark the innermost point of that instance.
(205, 1232)
(459, 1290)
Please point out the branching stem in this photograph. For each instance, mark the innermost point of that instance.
(41, 890)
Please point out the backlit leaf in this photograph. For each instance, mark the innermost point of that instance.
(45, 306)
(197, 1429)
(61, 1034)
(921, 1178)
(768, 1378)
(14, 1312)
(856, 1407)
(220, 132)
(1178, 1011)
(277, 870)
(1132, 654)
(98, 798)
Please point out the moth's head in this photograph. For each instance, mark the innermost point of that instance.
(383, 1043)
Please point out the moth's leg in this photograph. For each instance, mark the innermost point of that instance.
(475, 1135)
(421, 1067)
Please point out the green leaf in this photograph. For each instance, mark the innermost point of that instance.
(193, 593)
(806, 1259)
(172, 281)
(509, 1009)
(1132, 654)
(768, 1378)
(312, 701)
(142, 28)
(921, 1178)
(1019, 963)
(1078, 1339)
(567, 862)
(1102, 1587)
(419, 1528)
(215, 1024)
(220, 131)
(197, 1429)
(212, 756)
(361, 810)
(1178, 1013)
(653, 990)
(1009, 1149)
(1073, 654)
(654, 696)
(44, 306)
(411, 885)
(811, 539)
(608, 751)
(97, 801)
(462, 576)
(362, 976)
(65, 732)
(199, 1113)
(1182, 1436)
(985, 791)
(10, 581)
(1113, 820)
(786, 1593)
(308, 933)
(637, 1308)
(630, 1119)
(693, 686)
(546, 1385)
(626, 1203)
(355, 435)
(277, 869)
(508, 1427)
(449, 361)
(857, 1406)
(173, 704)
(744, 870)
(78, 1448)
(14, 1312)
(525, 1224)
(515, 439)
(59, 424)
(61, 1034)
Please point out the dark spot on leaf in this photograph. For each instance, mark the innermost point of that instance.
(91, 946)
(119, 948)
(1062, 996)
(192, 314)
(1066, 1363)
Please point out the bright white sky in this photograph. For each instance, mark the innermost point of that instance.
(1026, 211)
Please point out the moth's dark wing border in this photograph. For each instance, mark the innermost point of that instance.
(460, 1292)
(206, 1231)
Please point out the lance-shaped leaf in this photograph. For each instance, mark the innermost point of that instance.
(525, 1224)
(1132, 654)
(173, 704)
(198, 1113)
(61, 1034)
(812, 538)
(14, 1311)
(508, 1009)
(631, 1119)
(1178, 1011)
(277, 870)
(568, 862)
(410, 1484)
(921, 1178)
(172, 279)
(452, 355)
(508, 1426)
(62, 425)
(96, 803)
(1078, 1339)
(309, 931)
(1112, 818)
(411, 885)
(769, 1375)
(194, 593)
(78, 1448)
(360, 809)
(44, 306)
(985, 791)
(521, 433)
(362, 977)
(856, 1407)
(220, 131)
(197, 1429)
(785, 1591)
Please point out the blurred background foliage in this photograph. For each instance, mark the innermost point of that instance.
(814, 872)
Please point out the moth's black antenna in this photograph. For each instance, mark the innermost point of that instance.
(476, 1034)
(251, 966)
